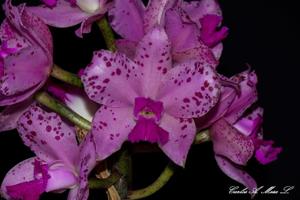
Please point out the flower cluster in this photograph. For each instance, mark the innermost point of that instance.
(160, 86)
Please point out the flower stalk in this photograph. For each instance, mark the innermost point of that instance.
(66, 76)
(107, 33)
(96, 183)
(162, 180)
(48, 101)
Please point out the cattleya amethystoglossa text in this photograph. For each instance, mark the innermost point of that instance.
(158, 87)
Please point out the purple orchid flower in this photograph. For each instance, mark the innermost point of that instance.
(59, 164)
(62, 13)
(192, 27)
(148, 100)
(25, 61)
(236, 137)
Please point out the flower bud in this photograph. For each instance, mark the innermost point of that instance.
(89, 6)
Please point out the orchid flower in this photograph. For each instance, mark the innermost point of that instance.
(236, 137)
(59, 164)
(191, 27)
(26, 61)
(156, 103)
(62, 13)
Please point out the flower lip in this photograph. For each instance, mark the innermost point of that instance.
(147, 108)
(148, 113)
(31, 190)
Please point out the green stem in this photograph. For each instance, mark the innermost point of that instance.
(155, 186)
(96, 183)
(107, 33)
(202, 136)
(48, 101)
(66, 76)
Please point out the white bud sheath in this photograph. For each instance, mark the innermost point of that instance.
(81, 105)
(89, 6)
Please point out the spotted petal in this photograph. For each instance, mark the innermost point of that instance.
(227, 96)
(10, 115)
(127, 19)
(11, 38)
(127, 47)
(228, 142)
(154, 59)
(236, 173)
(87, 163)
(48, 136)
(247, 97)
(111, 127)
(111, 79)
(181, 136)
(20, 73)
(155, 12)
(189, 90)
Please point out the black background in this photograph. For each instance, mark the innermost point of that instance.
(264, 34)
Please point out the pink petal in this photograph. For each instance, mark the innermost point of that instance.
(62, 15)
(181, 136)
(15, 79)
(87, 163)
(111, 127)
(197, 9)
(126, 18)
(236, 173)
(60, 178)
(50, 3)
(107, 73)
(250, 124)
(227, 96)
(247, 97)
(22, 172)
(36, 32)
(154, 59)
(10, 100)
(217, 50)
(228, 142)
(48, 136)
(189, 90)
(210, 34)
(185, 39)
(10, 115)
(155, 12)
(127, 47)
(86, 25)
(11, 37)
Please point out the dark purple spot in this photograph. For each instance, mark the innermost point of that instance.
(48, 128)
(118, 71)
